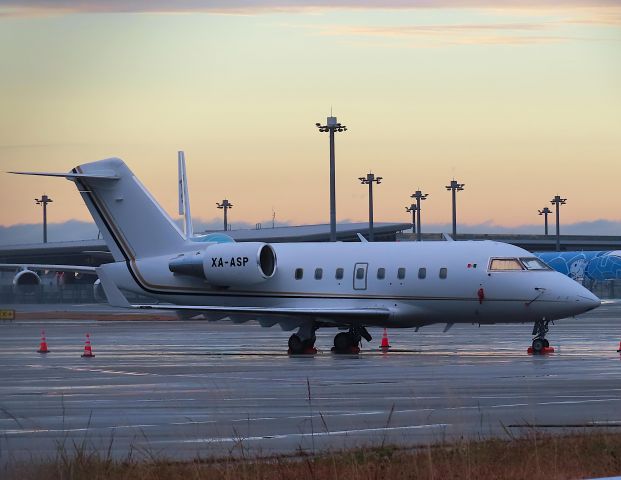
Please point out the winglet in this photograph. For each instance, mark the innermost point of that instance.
(113, 294)
(362, 239)
(184, 197)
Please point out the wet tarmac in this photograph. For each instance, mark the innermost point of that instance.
(184, 389)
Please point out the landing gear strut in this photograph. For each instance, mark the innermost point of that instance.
(348, 342)
(540, 343)
(303, 342)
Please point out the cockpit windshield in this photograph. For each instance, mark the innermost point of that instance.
(533, 263)
(514, 264)
(504, 264)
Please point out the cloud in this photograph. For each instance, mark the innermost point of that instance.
(453, 34)
(22, 234)
(251, 7)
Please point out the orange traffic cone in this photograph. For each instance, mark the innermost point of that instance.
(43, 346)
(88, 351)
(385, 345)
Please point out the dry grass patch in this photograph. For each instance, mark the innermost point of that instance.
(537, 456)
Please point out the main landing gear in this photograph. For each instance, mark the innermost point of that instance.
(540, 343)
(303, 342)
(348, 342)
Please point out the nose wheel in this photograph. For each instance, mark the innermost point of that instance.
(540, 343)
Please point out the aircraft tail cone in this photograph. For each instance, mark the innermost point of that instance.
(88, 351)
(384, 346)
(43, 345)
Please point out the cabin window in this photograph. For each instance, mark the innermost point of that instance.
(339, 274)
(318, 273)
(401, 273)
(381, 273)
(533, 263)
(505, 264)
(443, 272)
(299, 273)
(422, 273)
(360, 273)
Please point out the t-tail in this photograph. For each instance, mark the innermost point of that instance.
(132, 223)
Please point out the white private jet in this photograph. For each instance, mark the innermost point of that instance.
(312, 285)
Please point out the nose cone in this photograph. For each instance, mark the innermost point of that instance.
(587, 300)
(579, 298)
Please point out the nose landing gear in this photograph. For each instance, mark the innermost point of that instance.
(540, 343)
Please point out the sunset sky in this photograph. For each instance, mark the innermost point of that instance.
(519, 100)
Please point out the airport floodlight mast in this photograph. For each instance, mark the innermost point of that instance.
(558, 201)
(369, 180)
(418, 195)
(44, 200)
(412, 208)
(546, 211)
(332, 126)
(225, 205)
(455, 187)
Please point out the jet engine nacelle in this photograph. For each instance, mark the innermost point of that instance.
(26, 277)
(229, 264)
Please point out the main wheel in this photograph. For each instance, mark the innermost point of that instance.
(546, 343)
(343, 342)
(539, 344)
(296, 345)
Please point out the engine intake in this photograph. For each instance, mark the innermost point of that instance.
(26, 278)
(229, 264)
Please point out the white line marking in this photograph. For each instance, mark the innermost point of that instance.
(316, 434)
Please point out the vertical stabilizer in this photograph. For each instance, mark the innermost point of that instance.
(184, 198)
(133, 224)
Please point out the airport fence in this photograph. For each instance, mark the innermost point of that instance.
(10, 294)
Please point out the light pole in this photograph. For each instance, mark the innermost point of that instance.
(225, 205)
(44, 200)
(412, 208)
(546, 211)
(419, 196)
(369, 180)
(455, 187)
(332, 126)
(558, 201)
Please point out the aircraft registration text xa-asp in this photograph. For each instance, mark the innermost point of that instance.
(306, 286)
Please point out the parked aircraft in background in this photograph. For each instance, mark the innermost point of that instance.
(313, 285)
(585, 265)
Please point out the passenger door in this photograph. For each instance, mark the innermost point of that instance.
(360, 276)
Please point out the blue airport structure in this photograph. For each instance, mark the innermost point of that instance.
(585, 265)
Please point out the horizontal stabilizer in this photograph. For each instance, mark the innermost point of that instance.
(103, 175)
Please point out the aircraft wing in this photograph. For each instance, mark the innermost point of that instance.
(52, 268)
(332, 313)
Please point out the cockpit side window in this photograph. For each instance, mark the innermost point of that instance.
(533, 263)
(505, 264)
